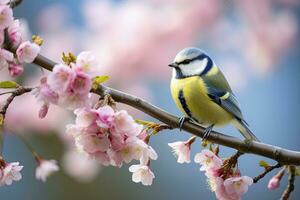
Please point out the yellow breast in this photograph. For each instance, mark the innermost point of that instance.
(190, 96)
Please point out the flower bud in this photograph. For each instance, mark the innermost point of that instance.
(43, 111)
(273, 183)
(275, 180)
(15, 69)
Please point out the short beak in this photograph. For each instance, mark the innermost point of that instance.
(173, 65)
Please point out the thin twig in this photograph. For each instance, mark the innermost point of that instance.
(17, 92)
(29, 147)
(283, 156)
(290, 187)
(267, 170)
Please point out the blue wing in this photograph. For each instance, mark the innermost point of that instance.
(226, 100)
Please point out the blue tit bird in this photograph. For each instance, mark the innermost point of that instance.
(202, 93)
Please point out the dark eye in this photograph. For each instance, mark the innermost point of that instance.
(185, 62)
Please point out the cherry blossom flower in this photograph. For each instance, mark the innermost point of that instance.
(85, 116)
(144, 152)
(45, 168)
(92, 143)
(106, 117)
(73, 101)
(237, 186)
(72, 86)
(141, 173)
(6, 16)
(10, 173)
(44, 93)
(86, 62)
(118, 157)
(81, 84)
(124, 123)
(125, 154)
(27, 52)
(208, 160)
(15, 69)
(182, 149)
(132, 148)
(213, 172)
(61, 78)
(101, 157)
(143, 135)
(77, 94)
(85, 135)
(217, 185)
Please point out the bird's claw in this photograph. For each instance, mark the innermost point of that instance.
(181, 121)
(207, 132)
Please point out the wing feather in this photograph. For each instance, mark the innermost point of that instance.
(220, 92)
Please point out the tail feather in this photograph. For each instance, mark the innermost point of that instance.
(243, 128)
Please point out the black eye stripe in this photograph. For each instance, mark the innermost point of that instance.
(187, 61)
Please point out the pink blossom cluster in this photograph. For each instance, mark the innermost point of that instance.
(229, 186)
(26, 51)
(9, 172)
(68, 85)
(113, 138)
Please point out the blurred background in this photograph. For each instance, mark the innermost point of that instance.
(254, 42)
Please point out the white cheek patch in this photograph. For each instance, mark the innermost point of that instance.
(173, 73)
(196, 67)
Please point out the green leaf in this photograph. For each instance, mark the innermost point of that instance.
(8, 84)
(297, 171)
(97, 80)
(263, 163)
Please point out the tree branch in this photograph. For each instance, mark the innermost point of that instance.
(283, 156)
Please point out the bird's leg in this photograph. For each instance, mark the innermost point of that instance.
(181, 121)
(207, 132)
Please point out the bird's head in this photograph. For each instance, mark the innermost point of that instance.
(190, 62)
